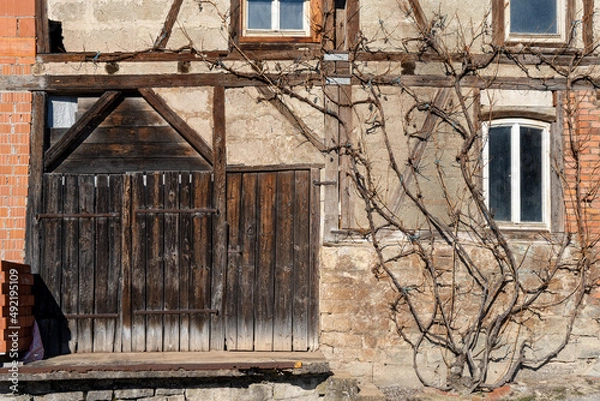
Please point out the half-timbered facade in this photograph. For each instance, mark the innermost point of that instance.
(186, 190)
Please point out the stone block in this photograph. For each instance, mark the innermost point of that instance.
(99, 395)
(214, 393)
(67, 396)
(287, 391)
(133, 393)
(169, 391)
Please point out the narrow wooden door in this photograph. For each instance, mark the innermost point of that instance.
(271, 293)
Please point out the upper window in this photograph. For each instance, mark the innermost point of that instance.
(517, 172)
(541, 21)
(280, 20)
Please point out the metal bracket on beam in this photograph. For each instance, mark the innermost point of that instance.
(335, 57)
(319, 183)
(337, 81)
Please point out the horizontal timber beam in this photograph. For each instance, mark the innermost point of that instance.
(100, 83)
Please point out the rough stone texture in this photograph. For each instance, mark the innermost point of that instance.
(67, 396)
(99, 395)
(169, 391)
(128, 394)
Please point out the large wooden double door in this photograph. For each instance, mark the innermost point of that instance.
(126, 262)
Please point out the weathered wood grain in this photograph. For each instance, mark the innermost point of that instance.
(265, 265)
(284, 287)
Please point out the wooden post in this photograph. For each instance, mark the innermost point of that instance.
(218, 278)
(34, 196)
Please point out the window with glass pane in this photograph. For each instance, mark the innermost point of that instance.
(276, 15)
(516, 172)
(534, 17)
(499, 172)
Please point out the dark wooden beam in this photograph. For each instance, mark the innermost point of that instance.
(165, 34)
(498, 22)
(89, 84)
(81, 129)
(41, 26)
(218, 277)
(419, 15)
(588, 24)
(187, 132)
(36, 169)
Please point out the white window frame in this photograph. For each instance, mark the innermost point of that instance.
(275, 29)
(515, 182)
(559, 37)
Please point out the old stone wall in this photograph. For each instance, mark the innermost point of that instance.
(17, 54)
(358, 334)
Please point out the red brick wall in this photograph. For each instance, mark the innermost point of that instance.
(17, 54)
(582, 132)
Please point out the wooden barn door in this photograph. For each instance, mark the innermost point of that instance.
(171, 261)
(78, 297)
(125, 262)
(271, 291)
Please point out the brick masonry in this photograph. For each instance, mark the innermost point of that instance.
(17, 55)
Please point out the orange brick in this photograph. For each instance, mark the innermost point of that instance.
(26, 27)
(8, 26)
(18, 8)
(17, 46)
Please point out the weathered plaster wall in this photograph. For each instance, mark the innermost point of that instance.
(17, 51)
(258, 134)
(134, 25)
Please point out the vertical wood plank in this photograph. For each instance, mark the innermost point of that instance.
(282, 338)
(154, 264)
(331, 172)
(138, 264)
(185, 259)
(315, 239)
(346, 138)
(498, 22)
(129, 226)
(200, 297)
(115, 277)
(102, 341)
(51, 268)
(588, 24)
(265, 275)
(87, 242)
(171, 271)
(219, 265)
(70, 277)
(247, 238)
(234, 191)
(301, 271)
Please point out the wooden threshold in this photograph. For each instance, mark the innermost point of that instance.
(168, 365)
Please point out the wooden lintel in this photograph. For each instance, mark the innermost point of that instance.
(187, 132)
(165, 34)
(97, 83)
(82, 129)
